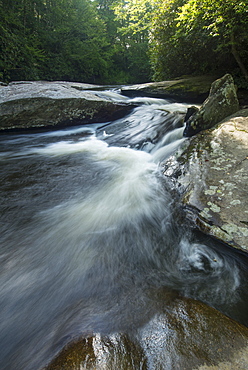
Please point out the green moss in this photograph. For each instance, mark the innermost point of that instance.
(198, 85)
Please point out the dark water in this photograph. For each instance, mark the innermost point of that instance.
(90, 231)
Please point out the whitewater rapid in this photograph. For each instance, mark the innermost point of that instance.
(89, 227)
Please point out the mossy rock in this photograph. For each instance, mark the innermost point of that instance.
(197, 87)
(188, 89)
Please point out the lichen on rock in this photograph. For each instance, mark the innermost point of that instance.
(213, 174)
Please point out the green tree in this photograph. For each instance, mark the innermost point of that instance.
(224, 22)
(167, 55)
(74, 39)
(103, 41)
(132, 40)
(20, 50)
(52, 39)
(192, 37)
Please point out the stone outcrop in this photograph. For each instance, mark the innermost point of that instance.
(26, 105)
(221, 103)
(212, 176)
(185, 89)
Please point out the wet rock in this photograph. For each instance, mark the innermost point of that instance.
(212, 176)
(26, 105)
(188, 89)
(190, 112)
(186, 335)
(221, 103)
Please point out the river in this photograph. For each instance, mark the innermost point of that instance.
(91, 232)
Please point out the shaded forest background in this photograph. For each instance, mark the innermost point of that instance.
(121, 42)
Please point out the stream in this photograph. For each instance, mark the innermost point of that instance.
(91, 234)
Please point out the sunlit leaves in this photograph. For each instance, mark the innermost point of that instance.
(117, 40)
(134, 15)
(133, 20)
(199, 36)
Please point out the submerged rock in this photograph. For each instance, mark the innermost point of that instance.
(185, 335)
(221, 103)
(212, 175)
(26, 105)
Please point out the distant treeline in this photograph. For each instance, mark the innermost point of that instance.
(118, 41)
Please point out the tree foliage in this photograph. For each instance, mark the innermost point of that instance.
(133, 34)
(225, 24)
(52, 39)
(204, 36)
(118, 41)
(128, 26)
(78, 40)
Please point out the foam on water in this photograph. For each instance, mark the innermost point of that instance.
(129, 193)
(196, 261)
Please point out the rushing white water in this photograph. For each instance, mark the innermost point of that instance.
(88, 227)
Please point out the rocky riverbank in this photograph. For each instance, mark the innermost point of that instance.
(186, 89)
(192, 89)
(211, 172)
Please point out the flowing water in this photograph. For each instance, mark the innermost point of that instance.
(90, 230)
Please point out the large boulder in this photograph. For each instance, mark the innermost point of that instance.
(212, 177)
(26, 105)
(221, 103)
(186, 334)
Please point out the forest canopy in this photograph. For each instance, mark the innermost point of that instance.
(118, 41)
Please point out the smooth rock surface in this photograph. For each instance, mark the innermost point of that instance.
(186, 89)
(212, 174)
(25, 105)
(185, 335)
(221, 102)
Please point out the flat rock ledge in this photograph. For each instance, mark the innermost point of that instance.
(40, 104)
(211, 173)
(186, 89)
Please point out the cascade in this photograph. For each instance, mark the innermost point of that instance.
(89, 229)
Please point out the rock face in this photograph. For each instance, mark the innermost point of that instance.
(48, 104)
(212, 175)
(221, 103)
